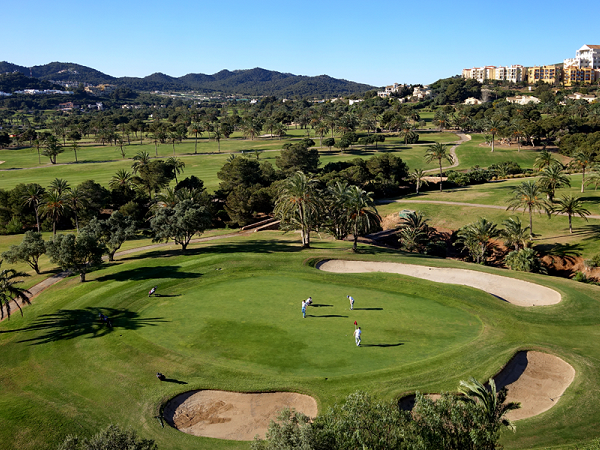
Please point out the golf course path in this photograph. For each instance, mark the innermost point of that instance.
(232, 415)
(36, 289)
(473, 205)
(462, 139)
(511, 290)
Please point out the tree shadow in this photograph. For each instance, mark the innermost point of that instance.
(247, 246)
(67, 324)
(565, 251)
(146, 273)
(382, 345)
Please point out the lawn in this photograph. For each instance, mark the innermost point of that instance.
(226, 320)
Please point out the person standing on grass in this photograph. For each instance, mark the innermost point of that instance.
(309, 301)
(152, 291)
(357, 334)
(304, 309)
(351, 301)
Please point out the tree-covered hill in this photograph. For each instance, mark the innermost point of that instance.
(10, 82)
(254, 82)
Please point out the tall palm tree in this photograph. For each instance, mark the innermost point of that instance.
(321, 130)
(121, 180)
(418, 176)
(514, 234)
(280, 129)
(438, 151)
(581, 160)
(476, 237)
(545, 159)
(552, 178)
(77, 199)
(528, 195)
(196, 129)
(54, 207)
(298, 205)
(571, 206)
(33, 197)
(177, 164)
(140, 159)
(60, 186)
(336, 210)
(362, 214)
(10, 292)
(492, 405)
(492, 126)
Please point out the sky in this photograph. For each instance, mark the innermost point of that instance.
(376, 43)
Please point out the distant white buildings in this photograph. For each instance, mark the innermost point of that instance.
(389, 90)
(473, 101)
(523, 99)
(352, 102)
(515, 73)
(44, 91)
(421, 93)
(580, 96)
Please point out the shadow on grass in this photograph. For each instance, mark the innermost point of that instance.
(368, 309)
(146, 273)
(246, 246)
(382, 345)
(326, 315)
(173, 380)
(319, 305)
(68, 324)
(166, 295)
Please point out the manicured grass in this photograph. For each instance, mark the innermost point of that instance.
(229, 318)
(101, 163)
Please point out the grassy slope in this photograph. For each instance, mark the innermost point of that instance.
(100, 163)
(238, 329)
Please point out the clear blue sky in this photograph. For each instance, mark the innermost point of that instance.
(376, 43)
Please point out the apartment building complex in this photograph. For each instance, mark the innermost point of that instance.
(583, 69)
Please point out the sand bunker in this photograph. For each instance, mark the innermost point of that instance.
(518, 292)
(536, 380)
(232, 415)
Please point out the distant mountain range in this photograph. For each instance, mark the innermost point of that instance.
(243, 82)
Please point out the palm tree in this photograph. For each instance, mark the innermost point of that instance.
(414, 232)
(140, 159)
(10, 292)
(33, 196)
(528, 195)
(321, 130)
(545, 159)
(418, 176)
(362, 214)
(76, 200)
(196, 129)
(121, 180)
(492, 126)
(553, 178)
(476, 237)
(60, 186)
(571, 206)
(438, 151)
(217, 136)
(54, 207)
(177, 164)
(514, 234)
(581, 161)
(337, 219)
(492, 405)
(280, 130)
(298, 205)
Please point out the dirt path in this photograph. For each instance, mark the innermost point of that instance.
(511, 290)
(36, 289)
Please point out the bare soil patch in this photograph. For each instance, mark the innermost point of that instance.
(517, 292)
(232, 415)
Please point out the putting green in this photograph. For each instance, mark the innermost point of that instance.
(256, 323)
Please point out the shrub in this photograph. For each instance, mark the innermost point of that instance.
(15, 226)
(592, 263)
(580, 277)
(524, 260)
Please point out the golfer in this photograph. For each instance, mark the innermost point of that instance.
(309, 301)
(357, 334)
(152, 291)
(304, 309)
(351, 301)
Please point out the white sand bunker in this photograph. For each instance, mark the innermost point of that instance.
(517, 292)
(232, 415)
(536, 380)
